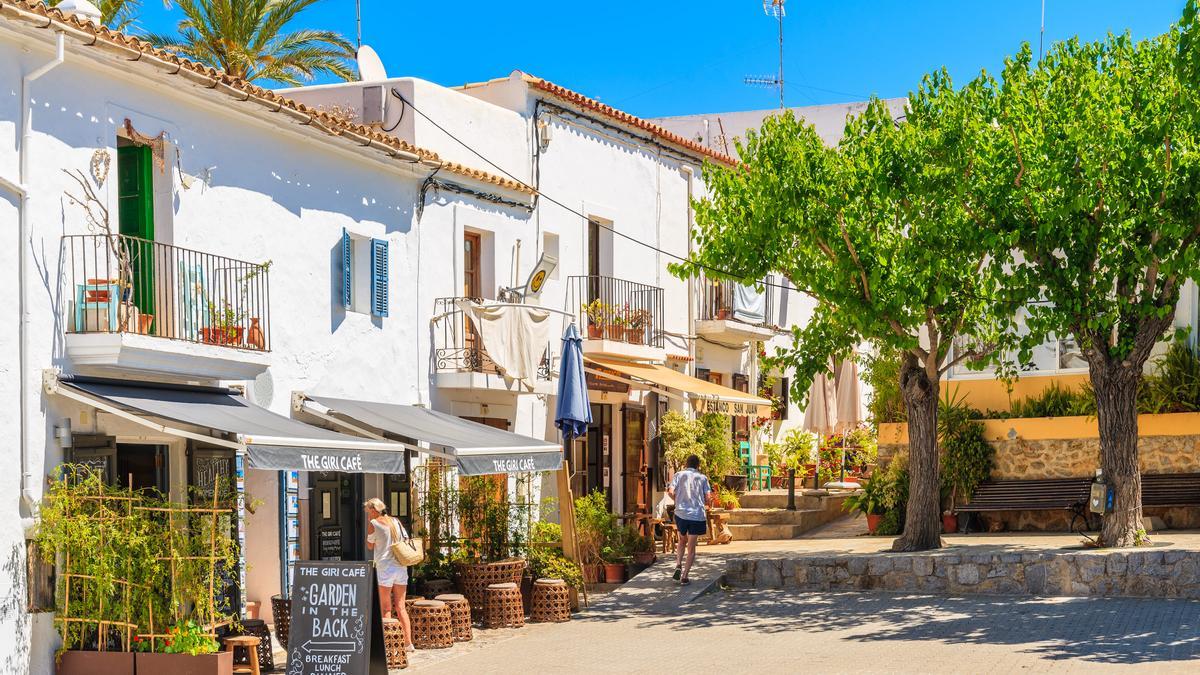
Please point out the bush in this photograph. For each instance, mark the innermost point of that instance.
(966, 456)
(706, 437)
(594, 526)
(546, 558)
(881, 372)
(793, 453)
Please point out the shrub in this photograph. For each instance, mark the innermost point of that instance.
(594, 526)
(881, 372)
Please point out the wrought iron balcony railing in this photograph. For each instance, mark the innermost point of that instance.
(458, 347)
(616, 309)
(717, 302)
(122, 284)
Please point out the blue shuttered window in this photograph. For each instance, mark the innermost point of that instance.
(379, 277)
(347, 269)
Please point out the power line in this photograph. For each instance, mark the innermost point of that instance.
(552, 200)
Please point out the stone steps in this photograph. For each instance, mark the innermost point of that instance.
(777, 499)
(753, 522)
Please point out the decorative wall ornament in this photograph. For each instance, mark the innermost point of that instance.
(101, 161)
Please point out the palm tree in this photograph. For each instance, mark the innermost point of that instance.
(116, 14)
(246, 39)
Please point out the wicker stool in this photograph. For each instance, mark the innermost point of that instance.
(250, 644)
(258, 628)
(431, 624)
(551, 601)
(460, 615)
(281, 607)
(408, 601)
(393, 644)
(436, 587)
(504, 608)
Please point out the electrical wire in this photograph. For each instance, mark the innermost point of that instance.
(552, 200)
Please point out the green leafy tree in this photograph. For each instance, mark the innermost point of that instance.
(1093, 175)
(880, 231)
(248, 39)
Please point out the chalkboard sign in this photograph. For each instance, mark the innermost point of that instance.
(329, 543)
(335, 629)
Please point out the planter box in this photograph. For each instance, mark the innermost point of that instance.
(220, 663)
(95, 663)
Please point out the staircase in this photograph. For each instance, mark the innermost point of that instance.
(764, 515)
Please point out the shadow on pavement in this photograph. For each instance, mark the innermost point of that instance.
(1110, 631)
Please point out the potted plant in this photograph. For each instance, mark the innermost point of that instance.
(224, 325)
(614, 564)
(599, 315)
(189, 650)
(639, 547)
(638, 320)
(790, 456)
(593, 525)
(870, 501)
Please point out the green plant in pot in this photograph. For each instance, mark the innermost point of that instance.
(790, 456)
(871, 501)
(593, 524)
(967, 458)
(639, 547)
(188, 649)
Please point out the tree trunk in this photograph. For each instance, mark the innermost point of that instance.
(1116, 388)
(922, 518)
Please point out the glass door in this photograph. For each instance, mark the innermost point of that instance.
(634, 469)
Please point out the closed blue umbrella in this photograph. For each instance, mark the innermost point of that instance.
(574, 412)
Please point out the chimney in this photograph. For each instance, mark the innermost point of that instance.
(83, 9)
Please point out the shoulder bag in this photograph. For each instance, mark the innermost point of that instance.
(407, 551)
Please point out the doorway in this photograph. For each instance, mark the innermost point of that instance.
(336, 516)
(634, 465)
(596, 463)
(143, 467)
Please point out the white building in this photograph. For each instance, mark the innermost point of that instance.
(305, 247)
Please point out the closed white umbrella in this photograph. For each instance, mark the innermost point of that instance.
(821, 415)
(849, 411)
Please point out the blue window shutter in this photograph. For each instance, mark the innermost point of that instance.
(347, 272)
(379, 277)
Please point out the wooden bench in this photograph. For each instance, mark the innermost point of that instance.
(1171, 489)
(1052, 494)
(1158, 490)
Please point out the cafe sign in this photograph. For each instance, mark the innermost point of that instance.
(732, 408)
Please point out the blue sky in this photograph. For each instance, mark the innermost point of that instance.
(672, 58)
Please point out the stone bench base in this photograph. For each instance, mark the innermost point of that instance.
(1146, 572)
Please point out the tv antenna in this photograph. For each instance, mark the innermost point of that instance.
(357, 24)
(773, 8)
(1042, 32)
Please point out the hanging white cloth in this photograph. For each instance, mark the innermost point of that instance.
(515, 336)
(749, 304)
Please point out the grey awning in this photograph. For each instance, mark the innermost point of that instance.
(476, 448)
(271, 441)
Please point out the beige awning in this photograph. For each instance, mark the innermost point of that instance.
(705, 396)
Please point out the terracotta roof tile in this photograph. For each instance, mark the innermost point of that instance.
(606, 110)
(102, 37)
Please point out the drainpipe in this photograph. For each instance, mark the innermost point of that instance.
(691, 281)
(21, 189)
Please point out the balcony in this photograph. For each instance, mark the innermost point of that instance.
(140, 306)
(732, 313)
(461, 360)
(622, 318)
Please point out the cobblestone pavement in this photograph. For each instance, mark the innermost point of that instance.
(776, 632)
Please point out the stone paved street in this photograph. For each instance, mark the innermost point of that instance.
(775, 632)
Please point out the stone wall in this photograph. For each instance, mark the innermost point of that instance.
(1126, 573)
(1080, 457)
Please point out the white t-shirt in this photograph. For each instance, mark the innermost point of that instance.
(382, 539)
(691, 490)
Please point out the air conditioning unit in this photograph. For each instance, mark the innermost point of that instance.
(373, 105)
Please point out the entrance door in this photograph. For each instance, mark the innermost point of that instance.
(135, 214)
(337, 518)
(634, 469)
(596, 464)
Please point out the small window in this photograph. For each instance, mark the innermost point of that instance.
(550, 248)
(365, 272)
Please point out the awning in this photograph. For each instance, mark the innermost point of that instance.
(271, 441)
(705, 396)
(475, 448)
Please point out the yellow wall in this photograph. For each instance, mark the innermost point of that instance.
(990, 394)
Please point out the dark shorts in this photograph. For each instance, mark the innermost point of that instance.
(696, 527)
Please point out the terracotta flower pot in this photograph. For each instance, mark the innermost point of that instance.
(220, 663)
(949, 523)
(614, 573)
(255, 337)
(594, 331)
(873, 521)
(644, 557)
(96, 663)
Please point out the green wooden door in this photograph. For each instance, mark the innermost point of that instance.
(135, 212)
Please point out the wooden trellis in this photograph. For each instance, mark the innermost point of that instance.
(122, 513)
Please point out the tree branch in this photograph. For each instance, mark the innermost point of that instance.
(862, 273)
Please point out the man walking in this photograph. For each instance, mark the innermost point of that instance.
(689, 488)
